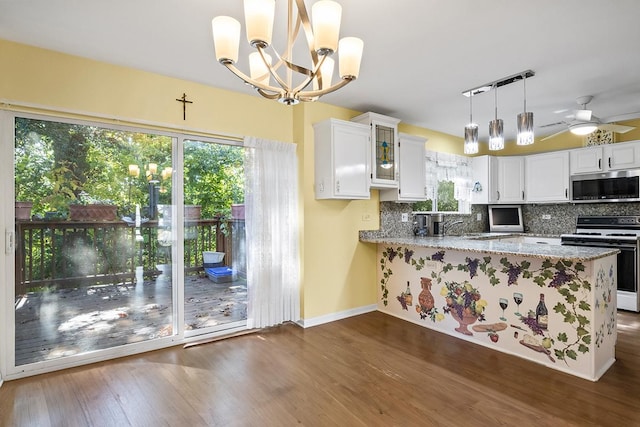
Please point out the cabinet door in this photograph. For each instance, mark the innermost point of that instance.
(384, 149)
(622, 156)
(350, 149)
(341, 160)
(547, 177)
(586, 160)
(510, 179)
(411, 168)
(485, 182)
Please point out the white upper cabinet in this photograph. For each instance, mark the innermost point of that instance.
(547, 177)
(607, 157)
(485, 186)
(412, 174)
(510, 188)
(342, 158)
(384, 149)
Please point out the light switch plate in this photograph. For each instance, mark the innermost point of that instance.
(405, 217)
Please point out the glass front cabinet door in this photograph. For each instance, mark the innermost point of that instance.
(384, 149)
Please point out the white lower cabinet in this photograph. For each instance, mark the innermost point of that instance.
(412, 174)
(547, 177)
(342, 159)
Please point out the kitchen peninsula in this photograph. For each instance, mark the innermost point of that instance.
(551, 304)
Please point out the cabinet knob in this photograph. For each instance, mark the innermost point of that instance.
(609, 161)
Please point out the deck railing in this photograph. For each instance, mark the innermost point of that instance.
(75, 253)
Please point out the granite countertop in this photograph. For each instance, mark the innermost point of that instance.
(489, 243)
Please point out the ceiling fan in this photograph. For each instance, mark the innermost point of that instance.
(584, 122)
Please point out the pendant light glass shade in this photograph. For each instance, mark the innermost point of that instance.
(525, 121)
(496, 129)
(471, 138)
(496, 134)
(471, 132)
(525, 128)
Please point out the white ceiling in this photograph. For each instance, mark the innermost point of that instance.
(419, 55)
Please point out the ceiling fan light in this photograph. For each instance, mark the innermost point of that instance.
(471, 138)
(582, 129)
(496, 134)
(525, 128)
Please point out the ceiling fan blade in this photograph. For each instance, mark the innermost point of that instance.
(552, 124)
(622, 117)
(554, 135)
(583, 115)
(615, 128)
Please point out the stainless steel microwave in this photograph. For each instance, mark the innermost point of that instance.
(617, 186)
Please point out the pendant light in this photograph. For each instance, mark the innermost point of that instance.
(471, 131)
(525, 121)
(496, 128)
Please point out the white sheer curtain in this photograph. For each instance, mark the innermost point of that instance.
(271, 218)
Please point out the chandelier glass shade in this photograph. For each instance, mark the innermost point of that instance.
(295, 83)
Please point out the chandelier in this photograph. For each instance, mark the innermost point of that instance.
(295, 82)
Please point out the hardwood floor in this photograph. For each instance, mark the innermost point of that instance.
(369, 370)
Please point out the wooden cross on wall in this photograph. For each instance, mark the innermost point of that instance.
(184, 105)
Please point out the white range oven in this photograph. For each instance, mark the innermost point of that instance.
(619, 232)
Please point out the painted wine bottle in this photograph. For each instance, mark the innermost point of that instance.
(542, 314)
(407, 295)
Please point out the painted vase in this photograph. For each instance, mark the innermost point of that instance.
(425, 298)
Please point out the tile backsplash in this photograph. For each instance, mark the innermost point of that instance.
(562, 218)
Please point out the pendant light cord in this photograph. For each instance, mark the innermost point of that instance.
(524, 82)
(496, 99)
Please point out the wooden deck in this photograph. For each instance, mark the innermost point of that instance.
(60, 322)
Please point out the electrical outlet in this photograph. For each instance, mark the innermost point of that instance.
(405, 217)
(479, 217)
(546, 216)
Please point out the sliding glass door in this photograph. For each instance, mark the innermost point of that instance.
(92, 261)
(215, 285)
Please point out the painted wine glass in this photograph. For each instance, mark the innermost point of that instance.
(517, 297)
(504, 303)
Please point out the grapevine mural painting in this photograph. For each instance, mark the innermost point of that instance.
(540, 305)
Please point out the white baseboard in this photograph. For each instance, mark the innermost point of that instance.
(332, 317)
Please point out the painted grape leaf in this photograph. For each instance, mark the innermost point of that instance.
(562, 337)
(560, 308)
(584, 306)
